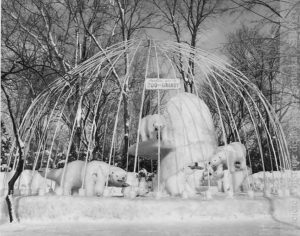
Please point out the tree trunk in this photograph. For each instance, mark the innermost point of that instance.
(191, 63)
(126, 126)
(125, 37)
(11, 183)
(19, 169)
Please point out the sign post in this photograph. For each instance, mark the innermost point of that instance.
(162, 84)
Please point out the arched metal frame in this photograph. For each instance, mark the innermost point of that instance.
(213, 78)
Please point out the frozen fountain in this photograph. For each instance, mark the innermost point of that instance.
(80, 111)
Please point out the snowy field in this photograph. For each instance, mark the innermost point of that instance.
(208, 228)
(66, 215)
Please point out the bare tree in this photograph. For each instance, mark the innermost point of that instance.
(268, 11)
(185, 20)
(45, 39)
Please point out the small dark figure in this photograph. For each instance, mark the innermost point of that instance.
(196, 167)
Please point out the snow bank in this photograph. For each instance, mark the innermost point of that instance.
(69, 209)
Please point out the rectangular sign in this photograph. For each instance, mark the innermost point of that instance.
(164, 84)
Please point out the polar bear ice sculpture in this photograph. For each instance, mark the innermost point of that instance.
(227, 159)
(234, 153)
(29, 182)
(150, 125)
(72, 179)
(96, 173)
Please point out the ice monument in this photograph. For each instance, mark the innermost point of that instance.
(190, 132)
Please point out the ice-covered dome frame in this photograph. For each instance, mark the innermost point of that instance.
(77, 96)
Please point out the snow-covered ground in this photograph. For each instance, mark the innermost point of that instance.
(74, 215)
(208, 228)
